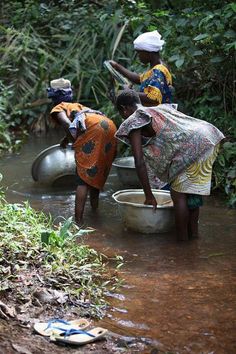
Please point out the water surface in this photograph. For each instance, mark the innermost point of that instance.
(180, 297)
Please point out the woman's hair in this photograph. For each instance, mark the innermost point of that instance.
(127, 97)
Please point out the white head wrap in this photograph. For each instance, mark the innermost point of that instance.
(60, 84)
(149, 41)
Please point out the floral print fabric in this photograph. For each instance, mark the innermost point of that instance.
(179, 140)
(196, 179)
(156, 84)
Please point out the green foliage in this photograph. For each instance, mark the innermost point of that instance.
(225, 172)
(5, 136)
(205, 58)
(63, 236)
(9, 141)
(29, 242)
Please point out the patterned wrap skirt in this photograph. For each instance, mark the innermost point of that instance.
(95, 150)
(196, 179)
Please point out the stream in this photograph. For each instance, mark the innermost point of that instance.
(179, 297)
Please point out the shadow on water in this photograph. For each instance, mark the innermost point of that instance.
(179, 296)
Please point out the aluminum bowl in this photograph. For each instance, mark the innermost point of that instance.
(142, 218)
(55, 166)
(126, 171)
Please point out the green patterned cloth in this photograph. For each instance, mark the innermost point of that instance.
(194, 201)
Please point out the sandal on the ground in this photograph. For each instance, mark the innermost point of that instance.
(79, 337)
(58, 326)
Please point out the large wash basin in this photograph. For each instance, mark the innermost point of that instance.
(142, 218)
(55, 166)
(126, 171)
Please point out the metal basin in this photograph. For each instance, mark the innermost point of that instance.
(55, 166)
(142, 218)
(126, 171)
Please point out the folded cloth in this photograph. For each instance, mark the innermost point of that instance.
(79, 121)
(58, 95)
(60, 83)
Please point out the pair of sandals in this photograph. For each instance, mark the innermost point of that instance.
(71, 332)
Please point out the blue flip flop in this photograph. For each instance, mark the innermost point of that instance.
(59, 326)
(80, 337)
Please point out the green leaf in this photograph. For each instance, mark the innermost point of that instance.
(174, 57)
(233, 6)
(221, 160)
(201, 36)
(231, 45)
(45, 236)
(179, 62)
(118, 38)
(197, 53)
(64, 231)
(216, 60)
(181, 22)
(84, 232)
(230, 34)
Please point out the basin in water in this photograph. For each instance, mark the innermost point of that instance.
(55, 166)
(126, 171)
(142, 218)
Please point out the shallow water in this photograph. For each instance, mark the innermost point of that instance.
(179, 297)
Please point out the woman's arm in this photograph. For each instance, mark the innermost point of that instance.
(62, 119)
(133, 77)
(135, 140)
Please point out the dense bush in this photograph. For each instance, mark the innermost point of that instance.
(44, 40)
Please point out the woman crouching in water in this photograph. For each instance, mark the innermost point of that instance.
(170, 147)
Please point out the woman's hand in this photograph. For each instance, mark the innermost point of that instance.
(151, 201)
(131, 76)
(113, 63)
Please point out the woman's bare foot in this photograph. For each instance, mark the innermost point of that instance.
(79, 223)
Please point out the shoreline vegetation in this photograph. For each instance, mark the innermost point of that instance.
(49, 267)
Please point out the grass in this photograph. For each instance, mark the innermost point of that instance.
(49, 256)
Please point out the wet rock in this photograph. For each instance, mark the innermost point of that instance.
(6, 311)
(52, 297)
(20, 349)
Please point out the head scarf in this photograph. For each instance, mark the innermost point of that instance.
(149, 42)
(60, 91)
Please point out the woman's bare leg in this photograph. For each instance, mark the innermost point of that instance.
(193, 222)
(80, 200)
(94, 198)
(181, 214)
